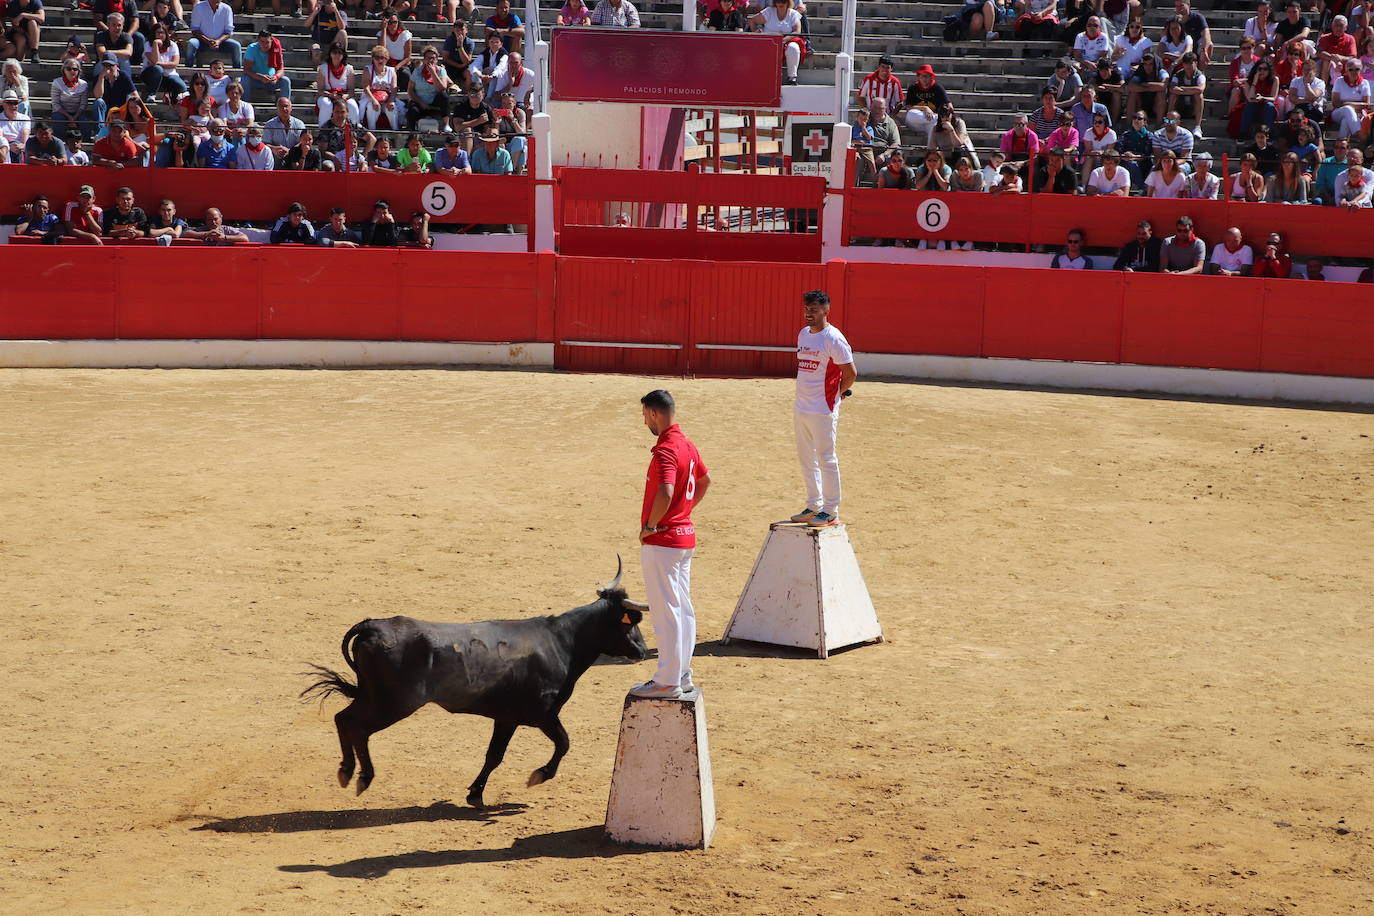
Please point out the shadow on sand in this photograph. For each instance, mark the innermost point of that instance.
(301, 821)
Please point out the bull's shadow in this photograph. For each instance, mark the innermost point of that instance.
(352, 819)
(582, 843)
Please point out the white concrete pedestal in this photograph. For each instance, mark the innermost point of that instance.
(661, 791)
(805, 591)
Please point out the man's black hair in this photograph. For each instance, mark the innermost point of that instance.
(659, 399)
(816, 297)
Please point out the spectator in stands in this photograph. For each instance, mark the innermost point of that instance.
(1108, 86)
(304, 156)
(1288, 65)
(236, 113)
(1355, 185)
(1167, 180)
(293, 228)
(1183, 252)
(1037, 21)
(1109, 179)
(779, 18)
(1064, 82)
(489, 158)
(12, 79)
(114, 42)
(216, 232)
(138, 120)
(484, 65)
(1350, 100)
(102, 9)
(1259, 96)
(1324, 187)
(380, 231)
(1086, 109)
(161, 57)
(1055, 177)
(23, 29)
(451, 159)
(459, 52)
(73, 109)
(284, 131)
(165, 13)
(1238, 72)
(924, 99)
(507, 25)
(1173, 44)
(83, 217)
(1146, 90)
(510, 124)
(37, 219)
(951, 137)
(217, 152)
(178, 151)
(1089, 47)
(471, 115)
(198, 88)
(43, 148)
(1009, 181)
(1045, 119)
(328, 27)
(1141, 255)
(575, 12)
(198, 124)
(124, 221)
(1265, 153)
(1094, 143)
(1136, 145)
(896, 176)
(1130, 48)
(882, 83)
(382, 108)
(615, 14)
(15, 126)
(1315, 270)
(337, 234)
(165, 227)
(416, 235)
(338, 142)
(428, 91)
(1259, 28)
(1202, 184)
(75, 154)
(76, 51)
(253, 154)
(115, 150)
(334, 86)
(1247, 184)
(1169, 137)
(263, 64)
(1072, 257)
(1307, 93)
(1020, 143)
(933, 174)
(218, 79)
(111, 86)
(992, 171)
(1232, 258)
(1294, 28)
(514, 77)
(1289, 185)
(412, 157)
(212, 26)
(966, 177)
(1273, 260)
(399, 45)
(1065, 136)
(1186, 87)
(726, 17)
(382, 158)
(1195, 25)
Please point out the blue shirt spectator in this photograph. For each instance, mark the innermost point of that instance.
(490, 158)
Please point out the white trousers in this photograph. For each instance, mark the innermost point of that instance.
(668, 582)
(327, 109)
(1347, 121)
(791, 54)
(819, 462)
(922, 123)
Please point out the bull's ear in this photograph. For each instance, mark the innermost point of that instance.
(631, 617)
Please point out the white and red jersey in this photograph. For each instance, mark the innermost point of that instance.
(874, 87)
(819, 358)
(676, 461)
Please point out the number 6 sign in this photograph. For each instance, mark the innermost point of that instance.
(932, 215)
(438, 198)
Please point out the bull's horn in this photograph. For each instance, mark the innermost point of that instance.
(634, 606)
(619, 568)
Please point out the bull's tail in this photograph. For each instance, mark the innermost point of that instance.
(348, 638)
(327, 680)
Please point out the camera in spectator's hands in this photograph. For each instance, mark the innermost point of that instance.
(180, 140)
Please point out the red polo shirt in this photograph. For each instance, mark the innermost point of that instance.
(675, 461)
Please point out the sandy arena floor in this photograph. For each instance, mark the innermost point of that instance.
(1128, 669)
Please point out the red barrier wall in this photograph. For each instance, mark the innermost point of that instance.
(261, 196)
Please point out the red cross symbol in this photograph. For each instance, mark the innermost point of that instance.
(816, 142)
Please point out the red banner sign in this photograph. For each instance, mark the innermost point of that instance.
(647, 67)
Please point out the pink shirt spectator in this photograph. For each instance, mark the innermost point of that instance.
(1064, 138)
(581, 16)
(1028, 145)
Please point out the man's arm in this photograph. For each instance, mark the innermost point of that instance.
(662, 499)
(703, 484)
(847, 376)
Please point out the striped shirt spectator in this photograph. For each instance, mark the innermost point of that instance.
(881, 84)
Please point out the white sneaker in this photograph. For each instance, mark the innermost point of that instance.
(940, 245)
(653, 691)
(921, 245)
(1197, 132)
(686, 685)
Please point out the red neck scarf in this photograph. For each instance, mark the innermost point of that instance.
(274, 55)
(71, 83)
(519, 75)
(338, 72)
(393, 35)
(428, 73)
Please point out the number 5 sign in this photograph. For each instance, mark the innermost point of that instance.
(932, 215)
(438, 198)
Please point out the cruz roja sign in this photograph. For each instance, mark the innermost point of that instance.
(808, 145)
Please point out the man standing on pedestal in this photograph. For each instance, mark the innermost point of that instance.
(677, 481)
(825, 372)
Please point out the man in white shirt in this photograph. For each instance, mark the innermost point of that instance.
(1090, 44)
(253, 154)
(825, 372)
(1109, 179)
(1232, 258)
(512, 75)
(212, 27)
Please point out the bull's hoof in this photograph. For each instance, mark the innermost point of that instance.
(363, 783)
(475, 799)
(345, 777)
(537, 777)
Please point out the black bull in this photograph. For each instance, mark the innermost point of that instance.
(516, 672)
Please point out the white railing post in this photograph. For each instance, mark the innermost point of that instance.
(543, 190)
(531, 22)
(844, 67)
(538, 59)
(851, 12)
(689, 15)
(832, 216)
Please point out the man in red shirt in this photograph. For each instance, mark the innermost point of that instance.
(677, 481)
(115, 150)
